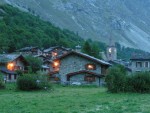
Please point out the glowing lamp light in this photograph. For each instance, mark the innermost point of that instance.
(56, 63)
(10, 66)
(54, 54)
(90, 66)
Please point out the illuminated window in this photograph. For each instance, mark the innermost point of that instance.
(56, 65)
(54, 54)
(90, 66)
(10, 66)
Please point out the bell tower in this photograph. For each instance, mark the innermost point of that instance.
(111, 51)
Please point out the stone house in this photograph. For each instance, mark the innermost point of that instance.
(10, 63)
(140, 63)
(54, 52)
(29, 51)
(79, 67)
(45, 69)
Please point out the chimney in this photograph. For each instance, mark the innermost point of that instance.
(78, 48)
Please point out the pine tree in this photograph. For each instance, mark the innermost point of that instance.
(87, 48)
(91, 49)
(95, 51)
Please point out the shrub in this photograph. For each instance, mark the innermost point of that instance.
(43, 82)
(116, 79)
(27, 82)
(2, 85)
(19, 72)
(140, 82)
(32, 82)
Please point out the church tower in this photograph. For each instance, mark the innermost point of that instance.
(111, 51)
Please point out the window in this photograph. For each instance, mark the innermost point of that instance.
(89, 78)
(44, 69)
(54, 54)
(17, 68)
(90, 66)
(10, 66)
(103, 70)
(146, 64)
(138, 64)
(56, 65)
(109, 55)
(9, 76)
(15, 77)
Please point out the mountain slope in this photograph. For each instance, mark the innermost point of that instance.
(19, 29)
(126, 21)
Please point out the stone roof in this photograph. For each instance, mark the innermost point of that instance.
(123, 63)
(4, 70)
(42, 56)
(4, 58)
(55, 47)
(140, 57)
(47, 60)
(85, 56)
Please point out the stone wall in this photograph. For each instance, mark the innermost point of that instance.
(138, 69)
(74, 63)
(80, 78)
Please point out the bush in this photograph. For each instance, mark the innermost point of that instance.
(140, 82)
(116, 79)
(32, 82)
(43, 82)
(19, 72)
(27, 82)
(2, 85)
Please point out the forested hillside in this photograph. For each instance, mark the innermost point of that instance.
(19, 29)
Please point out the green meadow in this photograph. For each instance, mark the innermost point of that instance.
(72, 99)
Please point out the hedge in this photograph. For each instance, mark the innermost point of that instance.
(119, 81)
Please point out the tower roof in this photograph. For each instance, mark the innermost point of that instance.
(111, 42)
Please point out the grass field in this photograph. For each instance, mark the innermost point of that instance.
(72, 100)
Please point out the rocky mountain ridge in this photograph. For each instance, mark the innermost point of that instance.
(125, 21)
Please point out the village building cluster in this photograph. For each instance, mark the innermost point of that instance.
(68, 66)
